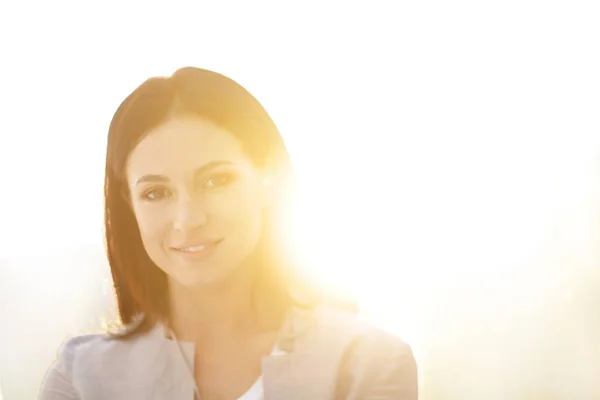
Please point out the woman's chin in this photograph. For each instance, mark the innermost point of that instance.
(203, 277)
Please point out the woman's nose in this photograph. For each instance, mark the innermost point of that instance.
(189, 214)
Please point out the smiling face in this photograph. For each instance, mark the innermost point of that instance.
(197, 198)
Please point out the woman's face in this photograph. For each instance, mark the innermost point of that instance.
(197, 198)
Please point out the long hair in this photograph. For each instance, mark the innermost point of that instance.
(140, 286)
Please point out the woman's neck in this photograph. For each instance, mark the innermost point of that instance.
(230, 309)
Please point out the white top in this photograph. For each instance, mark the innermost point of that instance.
(256, 391)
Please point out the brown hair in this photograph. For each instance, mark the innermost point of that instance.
(140, 286)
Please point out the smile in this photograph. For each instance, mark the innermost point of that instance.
(193, 249)
(197, 251)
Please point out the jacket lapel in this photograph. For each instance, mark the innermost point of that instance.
(171, 378)
(309, 365)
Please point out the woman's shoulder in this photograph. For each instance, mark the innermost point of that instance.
(95, 357)
(88, 347)
(356, 329)
(88, 352)
(74, 345)
(373, 361)
(58, 380)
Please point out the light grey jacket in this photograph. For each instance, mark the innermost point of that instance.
(329, 354)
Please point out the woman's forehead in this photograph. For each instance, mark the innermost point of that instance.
(185, 143)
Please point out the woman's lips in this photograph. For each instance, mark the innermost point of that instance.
(197, 251)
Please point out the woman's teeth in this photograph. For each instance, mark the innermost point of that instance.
(193, 249)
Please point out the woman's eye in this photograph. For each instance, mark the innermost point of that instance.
(218, 180)
(155, 194)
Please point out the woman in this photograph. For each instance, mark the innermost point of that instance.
(196, 179)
